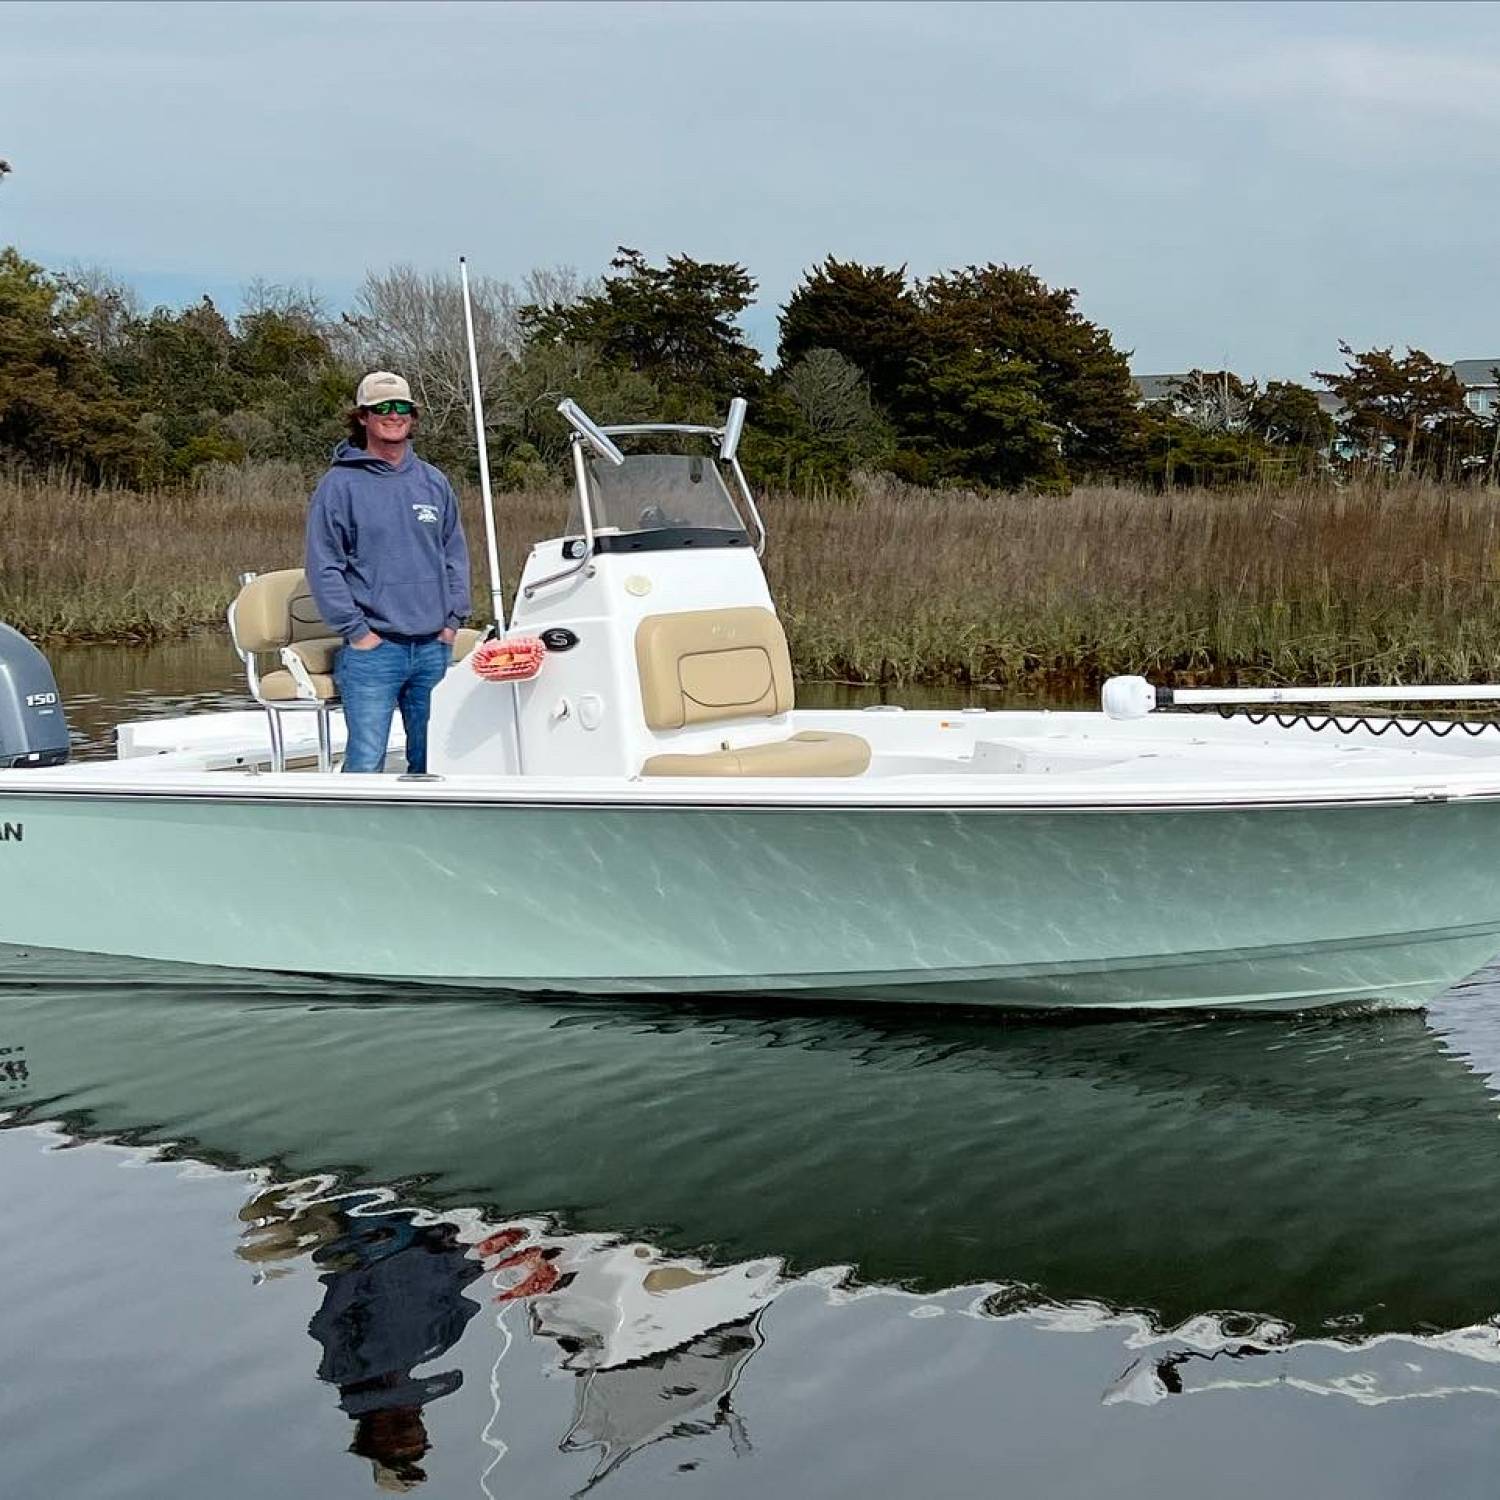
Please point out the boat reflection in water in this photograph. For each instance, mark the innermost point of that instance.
(657, 1344)
(393, 1300)
(1282, 1201)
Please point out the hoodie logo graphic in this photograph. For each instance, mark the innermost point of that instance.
(427, 514)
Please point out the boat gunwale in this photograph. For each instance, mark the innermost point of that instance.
(908, 800)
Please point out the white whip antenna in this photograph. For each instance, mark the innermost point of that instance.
(492, 547)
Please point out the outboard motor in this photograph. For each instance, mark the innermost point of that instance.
(33, 728)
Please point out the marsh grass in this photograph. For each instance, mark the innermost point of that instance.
(1368, 583)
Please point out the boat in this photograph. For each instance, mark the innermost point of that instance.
(637, 805)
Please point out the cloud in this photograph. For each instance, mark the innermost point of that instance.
(1361, 90)
(1223, 183)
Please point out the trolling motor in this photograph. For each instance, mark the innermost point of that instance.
(33, 728)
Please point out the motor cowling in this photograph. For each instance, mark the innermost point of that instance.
(33, 727)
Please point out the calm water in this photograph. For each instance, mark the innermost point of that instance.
(328, 1241)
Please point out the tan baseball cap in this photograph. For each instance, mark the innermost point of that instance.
(381, 385)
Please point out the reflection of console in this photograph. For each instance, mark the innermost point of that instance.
(621, 1304)
(683, 1394)
(658, 1345)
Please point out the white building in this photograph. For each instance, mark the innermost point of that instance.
(1481, 382)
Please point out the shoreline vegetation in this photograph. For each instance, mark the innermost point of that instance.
(963, 482)
(1375, 581)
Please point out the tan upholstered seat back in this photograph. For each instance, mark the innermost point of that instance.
(271, 613)
(709, 666)
(276, 609)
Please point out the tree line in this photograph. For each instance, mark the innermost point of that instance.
(982, 376)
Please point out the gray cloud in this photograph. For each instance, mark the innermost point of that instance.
(1241, 184)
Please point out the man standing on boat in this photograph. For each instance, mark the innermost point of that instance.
(389, 568)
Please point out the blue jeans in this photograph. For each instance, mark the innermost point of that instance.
(374, 684)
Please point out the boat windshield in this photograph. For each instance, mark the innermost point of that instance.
(659, 500)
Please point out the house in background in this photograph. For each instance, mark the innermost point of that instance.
(1340, 447)
(1480, 381)
(1480, 378)
(1158, 390)
(1212, 400)
(1174, 395)
(1330, 405)
(1481, 384)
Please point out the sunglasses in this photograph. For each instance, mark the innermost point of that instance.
(392, 408)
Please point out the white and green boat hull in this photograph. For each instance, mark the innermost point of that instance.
(1218, 906)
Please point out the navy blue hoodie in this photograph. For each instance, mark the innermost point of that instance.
(385, 547)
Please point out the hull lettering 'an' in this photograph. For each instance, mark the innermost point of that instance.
(12, 833)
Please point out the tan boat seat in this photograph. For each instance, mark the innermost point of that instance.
(811, 753)
(721, 666)
(275, 615)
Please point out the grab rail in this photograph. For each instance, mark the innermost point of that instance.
(585, 559)
(744, 484)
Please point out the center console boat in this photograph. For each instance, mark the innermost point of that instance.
(651, 812)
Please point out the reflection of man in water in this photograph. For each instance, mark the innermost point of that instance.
(633, 1328)
(394, 1301)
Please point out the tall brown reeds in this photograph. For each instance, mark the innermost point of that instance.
(1372, 582)
(79, 563)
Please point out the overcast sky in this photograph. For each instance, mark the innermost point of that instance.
(1224, 184)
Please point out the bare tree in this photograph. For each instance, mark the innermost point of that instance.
(413, 323)
(299, 304)
(103, 306)
(556, 286)
(1214, 401)
(829, 392)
